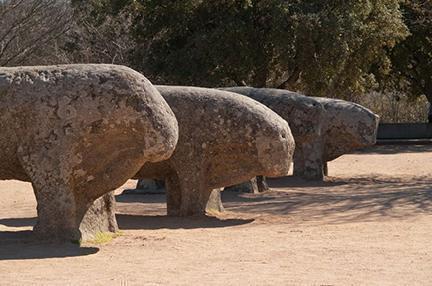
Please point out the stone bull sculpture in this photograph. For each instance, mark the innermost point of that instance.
(305, 117)
(347, 126)
(77, 132)
(323, 128)
(224, 139)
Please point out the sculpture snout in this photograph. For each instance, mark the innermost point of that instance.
(161, 141)
(367, 128)
(276, 151)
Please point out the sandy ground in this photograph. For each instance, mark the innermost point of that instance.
(368, 224)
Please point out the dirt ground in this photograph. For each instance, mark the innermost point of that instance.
(370, 223)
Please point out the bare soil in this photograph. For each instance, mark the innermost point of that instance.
(370, 223)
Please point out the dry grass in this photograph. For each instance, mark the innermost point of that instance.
(396, 108)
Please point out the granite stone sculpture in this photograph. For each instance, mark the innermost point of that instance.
(347, 127)
(77, 132)
(305, 116)
(224, 139)
(323, 128)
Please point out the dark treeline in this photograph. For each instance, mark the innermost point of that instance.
(344, 49)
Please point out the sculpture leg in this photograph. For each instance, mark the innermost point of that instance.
(325, 168)
(173, 195)
(312, 153)
(99, 217)
(308, 161)
(262, 184)
(57, 212)
(214, 204)
(186, 196)
(197, 202)
(299, 162)
(63, 215)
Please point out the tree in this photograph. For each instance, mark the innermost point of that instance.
(103, 32)
(30, 30)
(411, 59)
(318, 47)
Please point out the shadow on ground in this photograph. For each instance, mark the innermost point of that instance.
(18, 222)
(340, 200)
(141, 197)
(18, 245)
(291, 181)
(159, 222)
(335, 201)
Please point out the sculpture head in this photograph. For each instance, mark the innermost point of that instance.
(347, 127)
(275, 147)
(161, 138)
(158, 126)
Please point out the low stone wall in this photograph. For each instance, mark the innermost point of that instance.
(388, 131)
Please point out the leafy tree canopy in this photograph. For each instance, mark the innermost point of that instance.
(412, 58)
(318, 47)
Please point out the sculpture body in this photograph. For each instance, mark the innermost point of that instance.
(77, 132)
(305, 116)
(323, 128)
(224, 139)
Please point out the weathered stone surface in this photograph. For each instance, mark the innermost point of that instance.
(224, 139)
(305, 116)
(323, 128)
(77, 132)
(347, 126)
(100, 217)
(262, 184)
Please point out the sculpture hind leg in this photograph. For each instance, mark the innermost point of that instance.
(325, 168)
(262, 184)
(214, 203)
(173, 194)
(99, 217)
(200, 201)
(187, 196)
